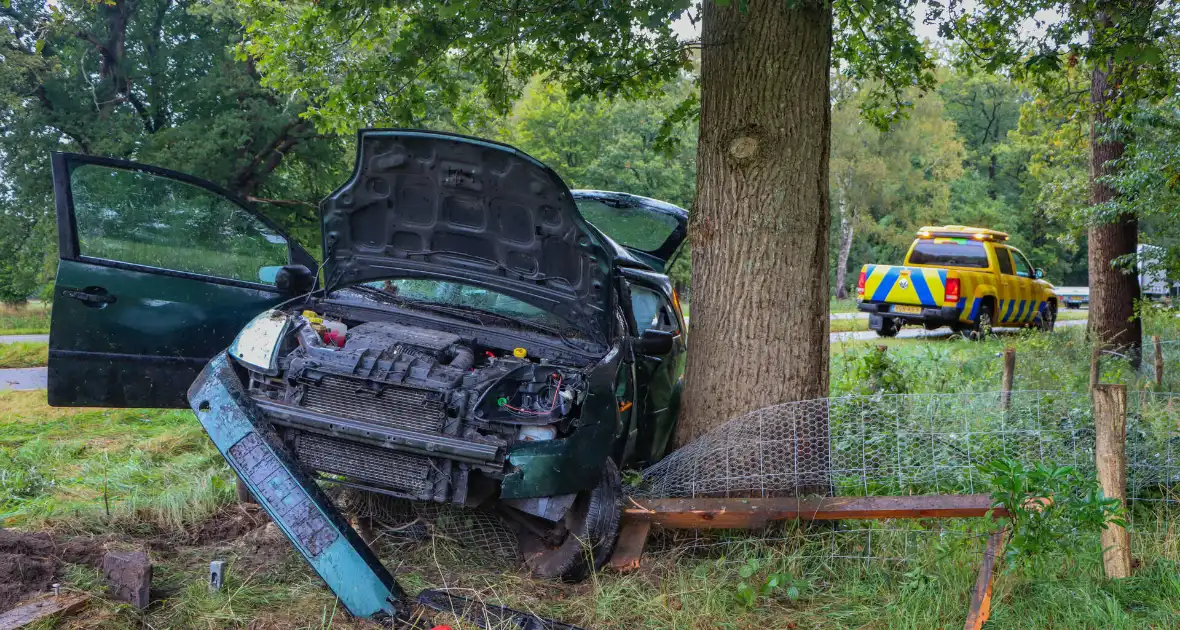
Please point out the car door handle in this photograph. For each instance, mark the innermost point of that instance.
(95, 297)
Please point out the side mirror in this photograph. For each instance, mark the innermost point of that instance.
(294, 279)
(1040, 273)
(653, 342)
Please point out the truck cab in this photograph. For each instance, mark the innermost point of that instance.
(963, 277)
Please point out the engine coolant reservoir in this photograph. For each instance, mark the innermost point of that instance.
(536, 434)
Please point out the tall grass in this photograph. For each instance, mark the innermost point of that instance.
(26, 319)
(105, 469)
(23, 355)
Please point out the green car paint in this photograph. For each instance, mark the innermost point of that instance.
(133, 332)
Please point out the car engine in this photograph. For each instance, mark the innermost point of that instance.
(409, 411)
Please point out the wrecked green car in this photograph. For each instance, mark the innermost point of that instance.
(476, 333)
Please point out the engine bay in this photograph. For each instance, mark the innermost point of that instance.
(376, 401)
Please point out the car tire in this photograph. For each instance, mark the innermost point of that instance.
(591, 528)
(931, 325)
(1048, 321)
(982, 329)
(888, 328)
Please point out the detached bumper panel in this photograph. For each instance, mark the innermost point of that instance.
(292, 499)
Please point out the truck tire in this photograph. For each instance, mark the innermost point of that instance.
(888, 328)
(982, 329)
(591, 527)
(1048, 321)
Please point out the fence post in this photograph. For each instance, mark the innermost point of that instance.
(1159, 362)
(1095, 365)
(1110, 454)
(1009, 373)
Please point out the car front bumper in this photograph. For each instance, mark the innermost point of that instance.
(292, 499)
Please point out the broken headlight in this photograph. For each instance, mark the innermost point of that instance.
(257, 346)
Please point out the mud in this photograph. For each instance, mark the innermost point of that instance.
(229, 524)
(31, 561)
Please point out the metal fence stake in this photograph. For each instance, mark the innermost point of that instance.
(1110, 458)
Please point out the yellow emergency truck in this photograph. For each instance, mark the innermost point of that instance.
(963, 277)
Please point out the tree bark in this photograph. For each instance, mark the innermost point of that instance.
(760, 222)
(1113, 291)
(846, 230)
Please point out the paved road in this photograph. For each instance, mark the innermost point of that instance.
(24, 338)
(914, 332)
(23, 379)
(858, 315)
(35, 378)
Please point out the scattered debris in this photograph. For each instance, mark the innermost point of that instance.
(43, 606)
(129, 576)
(216, 574)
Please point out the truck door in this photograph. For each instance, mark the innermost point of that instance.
(1026, 276)
(157, 273)
(1009, 289)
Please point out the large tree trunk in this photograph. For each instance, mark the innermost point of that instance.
(760, 222)
(1112, 291)
(846, 230)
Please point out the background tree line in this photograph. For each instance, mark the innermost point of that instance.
(158, 81)
(1047, 128)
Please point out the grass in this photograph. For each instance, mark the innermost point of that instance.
(23, 355)
(102, 469)
(148, 476)
(847, 305)
(26, 319)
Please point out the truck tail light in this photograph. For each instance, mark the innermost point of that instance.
(860, 285)
(952, 290)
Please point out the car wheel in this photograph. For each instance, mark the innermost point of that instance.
(983, 324)
(888, 328)
(1049, 319)
(931, 325)
(584, 540)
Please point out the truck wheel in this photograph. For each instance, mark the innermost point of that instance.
(584, 540)
(983, 324)
(1048, 320)
(931, 325)
(888, 328)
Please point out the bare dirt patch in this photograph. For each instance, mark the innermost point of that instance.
(31, 561)
(229, 524)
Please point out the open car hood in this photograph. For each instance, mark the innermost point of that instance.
(453, 207)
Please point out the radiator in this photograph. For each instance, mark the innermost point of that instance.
(408, 475)
(397, 407)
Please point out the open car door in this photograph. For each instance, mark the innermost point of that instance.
(158, 272)
(652, 230)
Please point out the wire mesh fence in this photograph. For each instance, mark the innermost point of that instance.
(878, 445)
(891, 445)
(912, 444)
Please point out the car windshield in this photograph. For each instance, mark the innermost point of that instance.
(465, 296)
(629, 225)
(950, 253)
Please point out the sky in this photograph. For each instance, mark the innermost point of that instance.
(687, 31)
